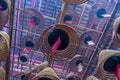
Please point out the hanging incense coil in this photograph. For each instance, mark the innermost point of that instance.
(4, 12)
(115, 44)
(40, 67)
(4, 45)
(69, 41)
(92, 78)
(75, 1)
(24, 59)
(30, 42)
(116, 28)
(28, 74)
(74, 62)
(23, 75)
(48, 74)
(71, 18)
(104, 56)
(88, 36)
(2, 74)
(31, 20)
(72, 76)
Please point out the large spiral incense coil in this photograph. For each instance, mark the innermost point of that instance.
(75, 61)
(88, 38)
(92, 78)
(115, 44)
(30, 42)
(71, 18)
(4, 45)
(46, 74)
(69, 41)
(106, 64)
(31, 20)
(4, 12)
(28, 74)
(2, 74)
(75, 1)
(40, 67)
(24, 59)
(23, 75)
(116, 28)
(72, 76)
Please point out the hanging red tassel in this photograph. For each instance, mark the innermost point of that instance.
(117, 71)
(56, 45)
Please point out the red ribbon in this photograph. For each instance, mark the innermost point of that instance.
(56, 45)
(117, 71)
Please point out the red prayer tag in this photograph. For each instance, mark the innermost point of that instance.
(26, 50)
(117, 71)
(31, 22)
(68, 21)
(56, 45)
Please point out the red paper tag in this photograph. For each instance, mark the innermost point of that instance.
(31, 22)
(117, 71)
(68, 21)
(56, 45)
(26, 50)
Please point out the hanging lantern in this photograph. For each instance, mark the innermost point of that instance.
(107, 64)
(4, 12)
(71, 18)
(77, 63)
(92, 78)
(24, 58)
(69, 41)
(116, 29)
(75, 1)
(2, 74)
(46, 74)
(72, 76)
(4, 45)
(31, 20)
